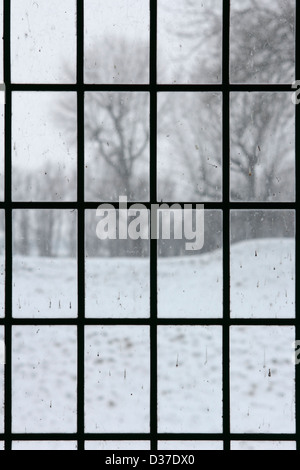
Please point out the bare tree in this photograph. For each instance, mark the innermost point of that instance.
(262, 124)
(116, 123)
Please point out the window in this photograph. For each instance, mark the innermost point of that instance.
(128, 344)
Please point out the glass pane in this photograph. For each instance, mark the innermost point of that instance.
(1, 148)
(2, 361)
(44, 381)
(189, 41)
(117, 146)
(117, 272)
(262, 147)
(44, 264)
(189, 147)
(117, 375)
(1, 41)
(256, 445)
(44, 445)
(44, 162)
(117, 41)
(262, 380)
(43, 41)
(1, 445)
(117, 445)
(263, 41)
(189, 379)
(2, 263)
(263, 264)
(190, 445)
(187, 280)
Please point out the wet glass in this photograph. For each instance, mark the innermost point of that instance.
(189, 379)
(117, 445)
(44, 445)
(262, 380)
(44, 159)
(263, 264)
(2, 362)
(257, 445)
(189, 147)
(187, 280)
(116, 41)
(43, 41)
(1, 42)
(117, 379)
(117, 271)
(44, 263)
(262, 147)
(1, 146)
(189, 41)
(190, 445)
(2, 263)
(262, 41)
(116, 146)
(44, 379)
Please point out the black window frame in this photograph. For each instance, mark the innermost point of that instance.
(153, 88)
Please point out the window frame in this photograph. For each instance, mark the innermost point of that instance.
(153, 88)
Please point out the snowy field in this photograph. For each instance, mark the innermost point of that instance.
(262, 285)
(117, 359)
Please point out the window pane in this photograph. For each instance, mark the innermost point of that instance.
(1, 148)
(189, 147)
(117, 378)
(44, 264)
(117, 41)
(44, 383)
(117, 146)
(2, 361)
(187, 280)
(44, 164)
(43, 41)
(1, 41)
(189, 41)
(263, 264)
(2, 263)
(263, 41)
(256, 445)
(44, 445)
(190, 445)
(262, 147)
(117, 273)
(189, 379)
(262, 380)
(117, 445)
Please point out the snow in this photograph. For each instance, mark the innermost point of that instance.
(117, 288)
(190, 445)
(186, 286)
(262, 380)
(256, 445)
(190, 379)
(117, 358)
(44, 385)
(44, 445)
(117, 445)
(263, 279)
(44, 287)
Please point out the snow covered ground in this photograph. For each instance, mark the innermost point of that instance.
(117, 359)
